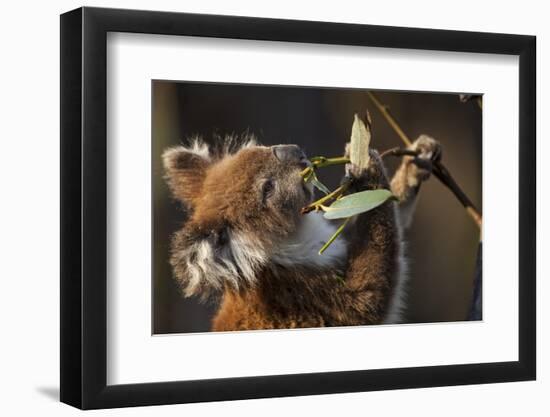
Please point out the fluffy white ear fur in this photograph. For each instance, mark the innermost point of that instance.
(230, 144)
(198, 147)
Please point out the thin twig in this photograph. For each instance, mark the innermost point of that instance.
(439, 169)
(334, 236)
(389, 118)
(322, 162)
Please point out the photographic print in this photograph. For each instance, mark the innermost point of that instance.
(279, 207)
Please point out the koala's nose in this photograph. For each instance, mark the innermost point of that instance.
(291, 154)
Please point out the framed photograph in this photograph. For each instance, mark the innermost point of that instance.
(257, 208)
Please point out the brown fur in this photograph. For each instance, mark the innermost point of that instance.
(224, 194)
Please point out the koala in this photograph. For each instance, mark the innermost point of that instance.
(246, 244)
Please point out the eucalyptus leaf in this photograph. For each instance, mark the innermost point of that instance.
(357, 203)
(360, 141)
(318, 184)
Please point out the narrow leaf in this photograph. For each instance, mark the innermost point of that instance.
(357, 203)
(318, 184)
(360, 141)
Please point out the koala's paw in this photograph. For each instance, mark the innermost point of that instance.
(371, 177)
(429, 151)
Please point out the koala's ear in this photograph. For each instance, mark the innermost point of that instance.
(185, 169)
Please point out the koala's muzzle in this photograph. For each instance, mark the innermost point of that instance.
(291, 154)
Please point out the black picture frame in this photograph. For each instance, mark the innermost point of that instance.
(84, 207)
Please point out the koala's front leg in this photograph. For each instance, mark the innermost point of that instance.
(406, 182)
(373, 249)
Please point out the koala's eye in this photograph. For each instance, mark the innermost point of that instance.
(268, 187)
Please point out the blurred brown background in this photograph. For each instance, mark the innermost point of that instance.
(443, 240)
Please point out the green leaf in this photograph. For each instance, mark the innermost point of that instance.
(357, 203)
(318, 184)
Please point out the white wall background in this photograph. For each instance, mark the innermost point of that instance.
(29, 219)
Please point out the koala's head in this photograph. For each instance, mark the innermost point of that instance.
(242, 204)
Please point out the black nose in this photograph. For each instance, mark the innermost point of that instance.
(290, 154)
